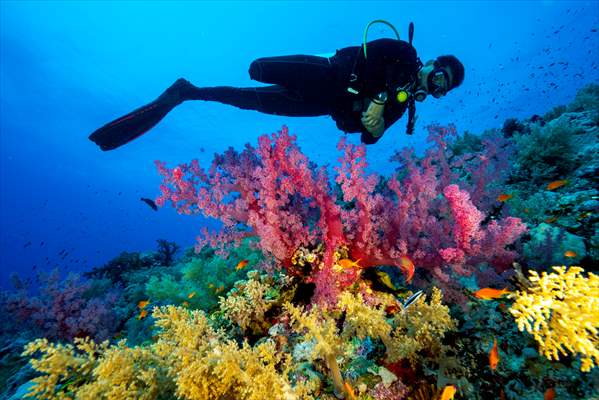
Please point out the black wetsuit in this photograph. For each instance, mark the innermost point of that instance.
(301, 85)
(304, 85)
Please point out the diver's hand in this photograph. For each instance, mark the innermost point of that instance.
(373, 120)
(376, 126)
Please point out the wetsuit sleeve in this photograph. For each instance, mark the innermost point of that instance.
(367, 137)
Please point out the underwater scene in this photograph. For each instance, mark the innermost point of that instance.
(299, 200)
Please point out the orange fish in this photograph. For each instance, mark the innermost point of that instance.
(219, 289)
(490, 293)
(185, 304)
(350, 391)
(190, 295)
(241, 264)
(526, 210)
(555, 184)
(549, 394)
(550, 219)
(142, 314)
(494, 355)
(504, 197)
(346, 263)
(143, 304)
(407, 266)
(570, 254)
(448, 392)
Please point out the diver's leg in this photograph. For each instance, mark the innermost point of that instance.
(305, 72)
(134, 124)
(274, 99)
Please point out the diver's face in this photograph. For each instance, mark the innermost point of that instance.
(435, 79)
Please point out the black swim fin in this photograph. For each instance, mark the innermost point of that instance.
(136, 123)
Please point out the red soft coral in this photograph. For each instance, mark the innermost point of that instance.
(275, 192)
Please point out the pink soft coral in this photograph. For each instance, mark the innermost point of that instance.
(275, 192)
(64, 309)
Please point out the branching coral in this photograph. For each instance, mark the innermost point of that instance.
(128, 372)
(59, 363)
(204, 365)
(321, 329)
(362, 320)
(274, 192)
(87, 370)
(65, 308)
(421, 326)
(546, 153)
(190, 360)
(247, 303)
(560, 310)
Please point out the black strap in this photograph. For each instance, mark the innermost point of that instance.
(411, 115)
(354, 86)
(411, 33)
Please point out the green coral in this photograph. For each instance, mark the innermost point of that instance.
(199, 280)
(546, 153)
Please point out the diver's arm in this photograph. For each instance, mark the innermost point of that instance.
(372, 118)
(391, 115)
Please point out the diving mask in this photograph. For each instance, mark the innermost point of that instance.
(438, 82)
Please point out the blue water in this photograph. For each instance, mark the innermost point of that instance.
(67, 68)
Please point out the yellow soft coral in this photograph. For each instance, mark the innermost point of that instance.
(190, 360)
(59, 364)
(320, 328)
(421, 326)
(247, 303)
(560, 310)
(362, 320)
(205, 365)
(127, 373)
(91, 371)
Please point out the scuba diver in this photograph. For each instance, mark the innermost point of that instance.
(365, 89)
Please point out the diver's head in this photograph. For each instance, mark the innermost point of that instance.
(439, 76)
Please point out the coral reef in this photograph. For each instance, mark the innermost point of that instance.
(347, 284)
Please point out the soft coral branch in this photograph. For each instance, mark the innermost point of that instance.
(275, 192)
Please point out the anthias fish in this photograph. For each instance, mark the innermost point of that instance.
(494, 356)
(490, 293)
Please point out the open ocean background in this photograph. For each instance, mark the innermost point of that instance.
(66, 68)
